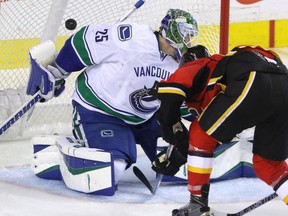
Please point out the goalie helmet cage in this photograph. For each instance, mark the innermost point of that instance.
(25, 23)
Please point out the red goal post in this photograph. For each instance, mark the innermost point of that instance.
(25, 23)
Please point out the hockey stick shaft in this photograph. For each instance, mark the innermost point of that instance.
(160, 176)
(137, 5)
(20, 112)
(254, 205)
(245, 210)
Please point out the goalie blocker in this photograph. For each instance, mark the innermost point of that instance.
(45, 78)
(82, 169)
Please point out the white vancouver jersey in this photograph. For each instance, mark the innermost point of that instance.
(122, 62)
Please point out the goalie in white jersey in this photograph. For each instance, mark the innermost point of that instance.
(115, 97)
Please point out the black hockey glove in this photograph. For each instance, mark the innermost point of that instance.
(169, 166)
(176, 134)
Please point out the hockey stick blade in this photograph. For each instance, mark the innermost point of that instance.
(246, 210)
(158, 182)
(159, 178)
(142, 178)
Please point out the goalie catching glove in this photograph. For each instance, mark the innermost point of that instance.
(178, 136)
(44, 74)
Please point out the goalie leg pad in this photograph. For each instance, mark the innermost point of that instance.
(86, 170)
(46, 157)
(231, 160)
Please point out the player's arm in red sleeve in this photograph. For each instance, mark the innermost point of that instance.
(171, 96)
(185, 83)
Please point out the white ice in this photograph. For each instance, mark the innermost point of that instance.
(23, 194)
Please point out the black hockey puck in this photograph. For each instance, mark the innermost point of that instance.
(70, 24)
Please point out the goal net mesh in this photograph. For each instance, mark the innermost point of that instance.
(25, 23)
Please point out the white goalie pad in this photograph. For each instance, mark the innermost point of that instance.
(231, 160)
(84, 169)
(46, 157)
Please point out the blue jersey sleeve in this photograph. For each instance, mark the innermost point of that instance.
(68, 59)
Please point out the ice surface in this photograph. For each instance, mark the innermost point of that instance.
(23, 194)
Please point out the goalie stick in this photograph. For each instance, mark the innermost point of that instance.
(20, 112)
(37, 97)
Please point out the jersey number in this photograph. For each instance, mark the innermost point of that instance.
(101, 36)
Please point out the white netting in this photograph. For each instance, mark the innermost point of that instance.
(22, 23)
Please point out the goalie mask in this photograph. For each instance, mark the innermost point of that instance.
(180, 30)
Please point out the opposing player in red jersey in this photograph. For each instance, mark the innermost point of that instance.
(246, 88)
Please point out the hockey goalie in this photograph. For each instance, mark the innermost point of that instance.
(114, 102)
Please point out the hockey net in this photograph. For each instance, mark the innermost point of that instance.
(25, 23)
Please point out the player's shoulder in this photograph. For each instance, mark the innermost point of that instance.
(127, 34)
(135, 27)
(123, 30)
